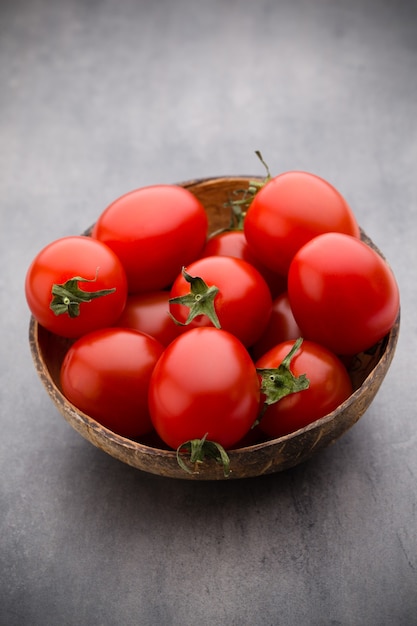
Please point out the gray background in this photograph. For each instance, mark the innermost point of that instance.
(100, 97)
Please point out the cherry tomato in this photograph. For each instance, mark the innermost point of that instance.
(204, 384)
(233, 243)
(342, 293)
(154, 231)
(281, 327)
(329, 386)
(106, 375)
(88, 281)
(149, 313)
(243, 301)
(288, 211)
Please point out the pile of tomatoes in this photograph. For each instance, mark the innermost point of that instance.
(213, 341)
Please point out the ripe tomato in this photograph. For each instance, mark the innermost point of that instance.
(154, 231)
(288, 211)
(242, 303)
(149, 313)
(342, 293)
(329, 386)
(281, 327)
(204, 384)
(233, 243)
(88, 281)
(106, 375)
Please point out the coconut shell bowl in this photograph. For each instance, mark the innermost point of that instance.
(367, 372)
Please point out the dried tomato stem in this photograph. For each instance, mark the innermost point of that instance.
(67, 297)
(276, 383)
(198, 450)
(200, 300)
(241, 199)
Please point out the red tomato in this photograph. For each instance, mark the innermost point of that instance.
(281, 327)
(243, 301)
(205, 383)
(329, 386)
(90, 267)
(154, 231)
(149, 313)
(233, 243)
(106, 375)
(288, 211)
(342, 293)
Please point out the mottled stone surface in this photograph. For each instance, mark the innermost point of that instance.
(100, 97)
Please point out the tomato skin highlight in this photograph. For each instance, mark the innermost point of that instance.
(330, 386)
(62, 260)
(243, 303)
(149, 313)
(289, 211)
(343, 294)
(204, 383)
(106, 375)
(154, 231)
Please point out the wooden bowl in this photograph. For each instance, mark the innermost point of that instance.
(367, 373)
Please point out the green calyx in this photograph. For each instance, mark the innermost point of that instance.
(276, 383)
(241, 200)
(67, 297)
(200, 300)
(198, 450)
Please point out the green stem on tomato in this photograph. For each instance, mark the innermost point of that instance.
(198, 450)
(278, 382)
(242, 199)
(67, 297)
(199, 300)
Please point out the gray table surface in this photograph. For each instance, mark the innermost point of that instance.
(98, 98)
